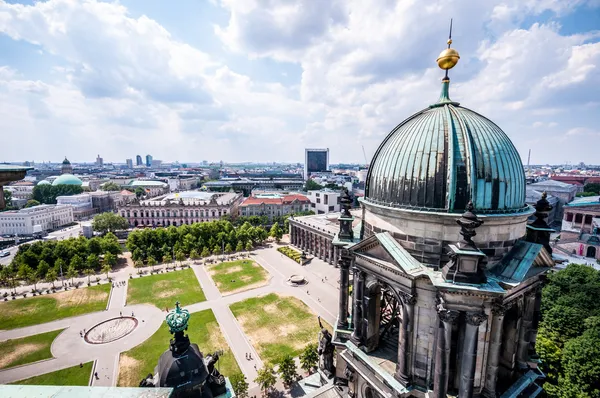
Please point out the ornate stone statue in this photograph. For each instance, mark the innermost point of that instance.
(325, 351)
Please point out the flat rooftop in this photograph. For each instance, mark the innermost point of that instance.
(192, 197)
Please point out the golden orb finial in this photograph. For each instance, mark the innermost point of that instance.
(449, 57)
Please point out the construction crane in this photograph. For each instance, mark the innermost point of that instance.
(365, 155)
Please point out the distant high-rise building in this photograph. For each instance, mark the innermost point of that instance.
(315, 161)
(138, 161)
(129, 163)
(99, 161)
(148, 160)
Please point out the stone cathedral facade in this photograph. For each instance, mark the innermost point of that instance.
(440, 291)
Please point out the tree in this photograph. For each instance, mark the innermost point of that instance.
(33, 278)
(9, 273)
(239, 384)
(47, 193)
(166, 259)
(228, 248)
(276, 232)
(139, 192)
(266, 378)
(93, 261)
(111, 186)
(568, 340)
(249, 246)
(7, 198)
(110, 259)
(31, 203)
(88, 272)
(106, 268)
(312, 186)
(216, 250)
(592, 187)
(138, 264)
(205, 252)
(309, 357)
(42, 269)
(72, 273)
(179, 256)
(51, 276)
(76, 262)
(194, 255)
(151, 262)
(287, 369)
(108, 221)
(239, 247)
(60, 266)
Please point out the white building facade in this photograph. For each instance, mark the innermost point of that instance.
(181, 208)
(22, 222)
(324, 201)
(20, 191)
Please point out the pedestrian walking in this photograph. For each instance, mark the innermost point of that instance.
(132, 314)
(96, 375)
(121, 314)
(80, 334)
(81, 364)
(255, 367)
(250, 355)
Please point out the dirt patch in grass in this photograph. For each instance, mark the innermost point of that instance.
(129, 369)
(169, 293)
(276, 325)
(20, 351)
(77, 297)
(162, 284)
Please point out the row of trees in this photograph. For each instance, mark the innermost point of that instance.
(43, 260)
(568, 339)
(109, 222)
(267, 377)
(47, 193)
(264, 221)
(196, 240)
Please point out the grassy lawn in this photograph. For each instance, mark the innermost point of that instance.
(163, 290)
(236, 276)
(27, 349)
(203, 330)
(74, 376)
(41, 309)
(277, 325)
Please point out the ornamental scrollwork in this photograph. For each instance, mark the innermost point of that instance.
(500, 309)
(475, 318)
(448, 316)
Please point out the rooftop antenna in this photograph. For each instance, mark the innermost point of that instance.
(528, 159)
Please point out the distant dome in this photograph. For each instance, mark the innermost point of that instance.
(67, 179)
(443, 157)
(44, 182)
(66, 161)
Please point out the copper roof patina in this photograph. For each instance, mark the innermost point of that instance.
(444, 156)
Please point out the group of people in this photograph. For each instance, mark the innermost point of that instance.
(119, 283)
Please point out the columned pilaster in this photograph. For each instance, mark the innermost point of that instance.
(344, 281)
(404, 337)
(526, 324)
(447, 318)
(469, 355)
(491, 378)
(358, 293)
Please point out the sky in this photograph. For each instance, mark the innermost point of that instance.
(260, 80)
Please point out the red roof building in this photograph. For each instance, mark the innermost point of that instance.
(274, 205)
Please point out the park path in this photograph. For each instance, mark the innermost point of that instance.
(69, 349)
(235, 337)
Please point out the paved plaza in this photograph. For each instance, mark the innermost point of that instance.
(70, 349)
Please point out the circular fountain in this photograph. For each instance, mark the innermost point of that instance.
(111, 330)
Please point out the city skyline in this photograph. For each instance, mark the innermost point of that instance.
(207, 81)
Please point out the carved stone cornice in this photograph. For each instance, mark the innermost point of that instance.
(500, 309)
(410, 299)
(475, 318)
(448, 316)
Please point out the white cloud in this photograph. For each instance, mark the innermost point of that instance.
(127, 85)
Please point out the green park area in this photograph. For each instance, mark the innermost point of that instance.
(27, 349)
(163, 290)
(73, 376)
(203, 330)
(277, 326)
(236, 276)
(41, 309)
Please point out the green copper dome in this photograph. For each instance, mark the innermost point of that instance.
(444, 156)
(67, 179)
(66, 161)
(44, 182)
